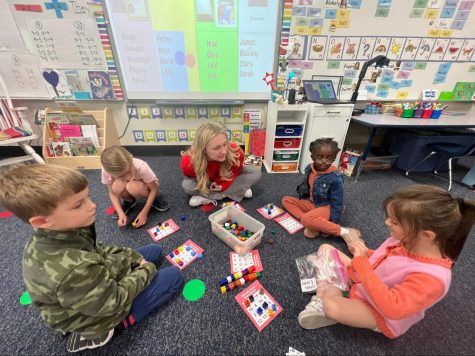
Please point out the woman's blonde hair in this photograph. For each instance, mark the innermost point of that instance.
(199, 160)
(37, 189)
(116, 160)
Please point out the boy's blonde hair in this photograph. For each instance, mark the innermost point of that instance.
(199, 160)
(36, 190)
(116, 160)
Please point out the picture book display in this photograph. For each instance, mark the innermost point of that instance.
(289, 223)
(270, 211)
(240, 263)
(72, 134)
(349, 160)
(183, 255)
(163, 230)
(258, 305)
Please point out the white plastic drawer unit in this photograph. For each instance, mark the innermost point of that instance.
(332, 111)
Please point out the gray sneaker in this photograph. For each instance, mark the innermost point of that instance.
(78, 343)
(313, 317)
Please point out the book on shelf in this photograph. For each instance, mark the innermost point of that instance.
(71, 118)
(349, 161)
(82, 146)
(91, 132)
(61, 149)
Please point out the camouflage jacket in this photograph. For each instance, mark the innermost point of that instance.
(80, 286)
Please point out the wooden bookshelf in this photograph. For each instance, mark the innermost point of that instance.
(106, 131)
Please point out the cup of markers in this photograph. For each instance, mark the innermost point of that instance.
(421, 110)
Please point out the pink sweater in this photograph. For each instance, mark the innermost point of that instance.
(398, 286)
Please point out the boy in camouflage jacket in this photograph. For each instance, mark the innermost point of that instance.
(80, 286)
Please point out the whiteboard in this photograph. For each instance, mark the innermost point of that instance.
(65, 50)
(430, 43)
(195, 49)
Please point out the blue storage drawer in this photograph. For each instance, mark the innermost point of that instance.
(288, 130)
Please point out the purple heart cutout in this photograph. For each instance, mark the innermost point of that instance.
(52, 78)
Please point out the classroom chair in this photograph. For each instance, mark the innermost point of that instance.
(450, 151)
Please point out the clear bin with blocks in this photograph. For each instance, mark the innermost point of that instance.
(221, 217)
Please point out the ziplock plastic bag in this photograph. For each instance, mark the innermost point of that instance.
(326, 266)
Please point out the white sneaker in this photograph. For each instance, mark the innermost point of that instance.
(313, 317)
(197, 200)
(248, 194)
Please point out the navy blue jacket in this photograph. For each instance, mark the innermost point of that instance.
(327, 190)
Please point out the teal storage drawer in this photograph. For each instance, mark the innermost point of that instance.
(286, 155)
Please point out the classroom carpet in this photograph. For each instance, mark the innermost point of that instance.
(216, 324)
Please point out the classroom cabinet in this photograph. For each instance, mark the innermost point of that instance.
(284, 137)
(325, 120)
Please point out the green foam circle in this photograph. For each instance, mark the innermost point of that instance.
(194, 290)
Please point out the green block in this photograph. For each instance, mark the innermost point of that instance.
(333, 65)
(25, 298)
(416, 13)
(420, 4)
(420, 65)
(446, 96)
(381, 12)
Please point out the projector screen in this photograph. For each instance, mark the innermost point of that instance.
(195, 49)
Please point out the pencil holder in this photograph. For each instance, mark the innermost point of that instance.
(418, 113)
(426, 113)
(407, 113)
(436, 114)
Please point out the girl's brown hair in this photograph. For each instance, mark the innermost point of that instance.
(425, 207)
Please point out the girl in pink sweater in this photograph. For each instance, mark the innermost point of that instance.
(392, 287)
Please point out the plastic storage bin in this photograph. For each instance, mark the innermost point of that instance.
(413, 146)
(287, 143)
(284, 167)
(288, 130)
(230, 212)
(286, 155)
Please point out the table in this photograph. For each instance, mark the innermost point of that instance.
(374, 122)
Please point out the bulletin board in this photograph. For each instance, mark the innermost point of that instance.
(430, 44)
(54, 49)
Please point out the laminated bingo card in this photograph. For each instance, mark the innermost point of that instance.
(258, 305)
(163, 230)
(270, 211)
(289, 223)
(183, 255)
(240, 263)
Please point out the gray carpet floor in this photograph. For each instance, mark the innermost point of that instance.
(215, 324)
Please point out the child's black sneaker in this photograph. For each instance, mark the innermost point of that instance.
(78, 343)
(126, 207)
(160, 204)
